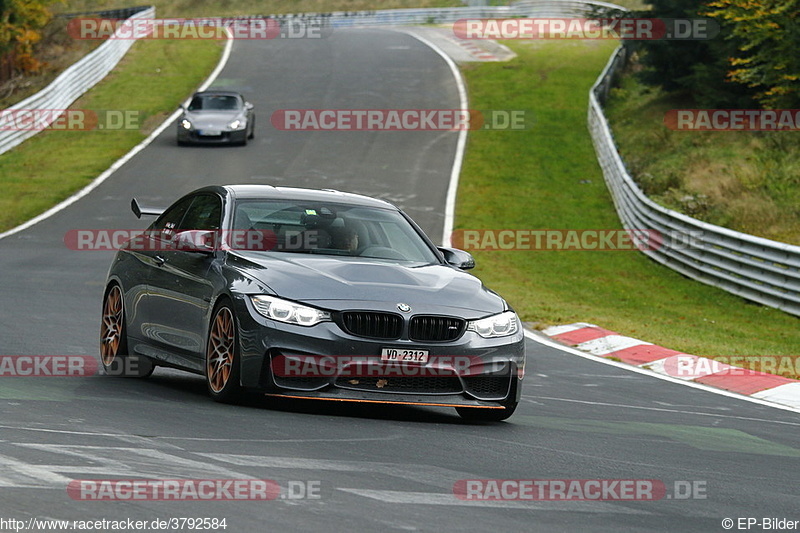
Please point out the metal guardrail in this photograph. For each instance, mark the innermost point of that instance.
(523, 8)
(122, 13)
(760, 270)
(69, 85)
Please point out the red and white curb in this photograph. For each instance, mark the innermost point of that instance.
(609, 344)
(474, 50)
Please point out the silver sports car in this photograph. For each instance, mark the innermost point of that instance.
(217, 117)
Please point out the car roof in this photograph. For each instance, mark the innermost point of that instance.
(248, 192)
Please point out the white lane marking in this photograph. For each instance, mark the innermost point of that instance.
(279, 441)
(124, 159)
(17, 473)
(436, 498)
(567, 328)
(65, 431)
(452, 188)
(553, 344)
(428, 474)
(123, 462)
(125, 436)
(610, 344)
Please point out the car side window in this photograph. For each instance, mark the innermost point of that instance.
(166, 225)
(196, 104)
(205, 213)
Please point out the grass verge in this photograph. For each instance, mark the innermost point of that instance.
(745, 181)
(153, 78)
(547, 177)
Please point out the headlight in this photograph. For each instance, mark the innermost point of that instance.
(500, 325)
(236, 124)
(185, 124)
(289, 312)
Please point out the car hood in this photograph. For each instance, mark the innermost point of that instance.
(212, 119)
(341, 283)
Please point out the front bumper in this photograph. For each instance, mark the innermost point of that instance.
(325, 362)
(225, 137)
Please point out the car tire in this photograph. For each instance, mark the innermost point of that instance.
(252, 129)
(222, 368)
(114, 340)
(477, 414)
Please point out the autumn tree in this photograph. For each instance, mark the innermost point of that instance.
(20, 25)
(695, 67)
(767, 55)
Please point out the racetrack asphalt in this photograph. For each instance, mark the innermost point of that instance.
(389, 468)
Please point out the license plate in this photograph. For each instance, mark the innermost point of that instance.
(403, 355)
(209, 133)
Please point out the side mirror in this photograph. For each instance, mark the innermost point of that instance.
(458, 258)
(204, 242)
(248, 106)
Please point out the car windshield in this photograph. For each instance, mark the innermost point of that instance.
(214, 102)
(332, 229)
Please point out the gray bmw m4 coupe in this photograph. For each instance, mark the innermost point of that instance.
(309, 294)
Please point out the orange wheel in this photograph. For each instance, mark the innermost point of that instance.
(114, 340)
(111, 338)
(222, 361)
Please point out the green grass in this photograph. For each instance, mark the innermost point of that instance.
(746, 181)
(548, 178)
(153, 78)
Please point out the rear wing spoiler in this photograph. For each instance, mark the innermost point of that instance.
(148, 211)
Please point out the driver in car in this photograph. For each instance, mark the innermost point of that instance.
(346, 239)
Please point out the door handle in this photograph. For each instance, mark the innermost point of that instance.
(159, 260)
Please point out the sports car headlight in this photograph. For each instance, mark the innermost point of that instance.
(185, 124)
(236, 124)
(500, 325)
(289, 312)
